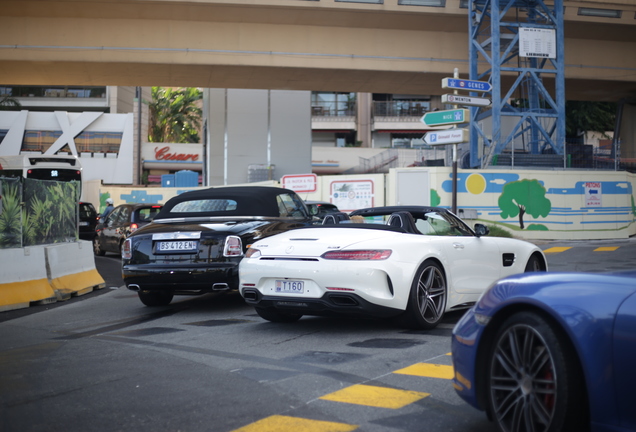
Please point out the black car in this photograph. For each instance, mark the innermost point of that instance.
(196, 242)
(87, 221)
(124, 220)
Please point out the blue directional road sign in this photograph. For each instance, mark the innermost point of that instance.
(466, 85)
(440, 118)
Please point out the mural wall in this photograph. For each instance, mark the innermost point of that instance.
(531, 204)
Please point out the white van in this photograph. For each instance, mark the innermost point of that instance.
(41, 167)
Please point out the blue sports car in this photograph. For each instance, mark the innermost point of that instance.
(551, 352)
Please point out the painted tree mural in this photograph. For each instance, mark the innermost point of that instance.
(524, 196)
(435, 198)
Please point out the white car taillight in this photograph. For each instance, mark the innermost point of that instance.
(126, 250)
(252, 253)
(362, 255)
(233, 246)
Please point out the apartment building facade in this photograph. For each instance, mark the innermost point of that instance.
(331, 132)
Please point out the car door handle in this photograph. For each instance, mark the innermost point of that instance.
(458, 246)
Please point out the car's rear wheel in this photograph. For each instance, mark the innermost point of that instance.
(534, 265)
(532, 384)
(97, 247)
(273, 315)
(155, 298)
(427, 298)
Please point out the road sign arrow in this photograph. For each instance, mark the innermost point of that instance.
(465, 100)
(467, 85)
(440, 118)
(451, 136)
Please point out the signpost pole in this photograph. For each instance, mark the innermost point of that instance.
(454, 199)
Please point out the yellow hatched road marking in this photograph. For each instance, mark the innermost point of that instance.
(556, 249)
(606, 249)
(428, 370)
(278, 423)
(380, 397)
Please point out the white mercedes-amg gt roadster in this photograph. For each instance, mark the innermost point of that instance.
(412, 263)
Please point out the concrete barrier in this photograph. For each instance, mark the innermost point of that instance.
(23, 278)
(71, 269)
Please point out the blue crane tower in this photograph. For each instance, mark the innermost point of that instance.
(517, 46)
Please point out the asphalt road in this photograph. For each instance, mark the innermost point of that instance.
(105, 362)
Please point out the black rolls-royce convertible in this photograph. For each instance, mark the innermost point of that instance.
(195, 243)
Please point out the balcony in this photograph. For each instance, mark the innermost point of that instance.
(399, 115)
(328, 116)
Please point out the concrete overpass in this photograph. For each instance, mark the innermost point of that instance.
(324, 45)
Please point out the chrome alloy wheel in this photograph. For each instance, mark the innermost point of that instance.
(431, 294)
(523, 380)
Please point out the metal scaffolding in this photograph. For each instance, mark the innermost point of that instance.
(517, 46)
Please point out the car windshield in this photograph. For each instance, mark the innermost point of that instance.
(146, 214)
(428, 223)
(441, 224)
(86, 211)
(290, 206)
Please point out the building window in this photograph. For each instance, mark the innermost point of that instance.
(53, 91)
(362, 1)
(333, 104)
(435, 3)
(604, 13)
(389, 105)
(85, 142)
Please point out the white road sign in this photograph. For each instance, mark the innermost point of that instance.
(465, 100)
(300, 182)
(450, 136)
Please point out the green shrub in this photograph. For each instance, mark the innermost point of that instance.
(496, 231)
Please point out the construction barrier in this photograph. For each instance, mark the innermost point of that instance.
(23, 278)
(46, 274)
(71, 269)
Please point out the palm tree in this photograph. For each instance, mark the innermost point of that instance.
(175, 115)
(7, 103)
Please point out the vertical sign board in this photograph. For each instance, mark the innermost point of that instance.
(537, 42)
(300, 182)
(593, 194)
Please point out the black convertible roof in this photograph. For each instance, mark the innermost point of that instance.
(250, 201)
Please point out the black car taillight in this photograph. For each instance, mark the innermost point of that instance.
(126, 250)
(233, 246)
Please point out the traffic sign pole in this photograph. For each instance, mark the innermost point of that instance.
(454, 196)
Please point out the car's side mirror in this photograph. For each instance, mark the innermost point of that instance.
(481, 230)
